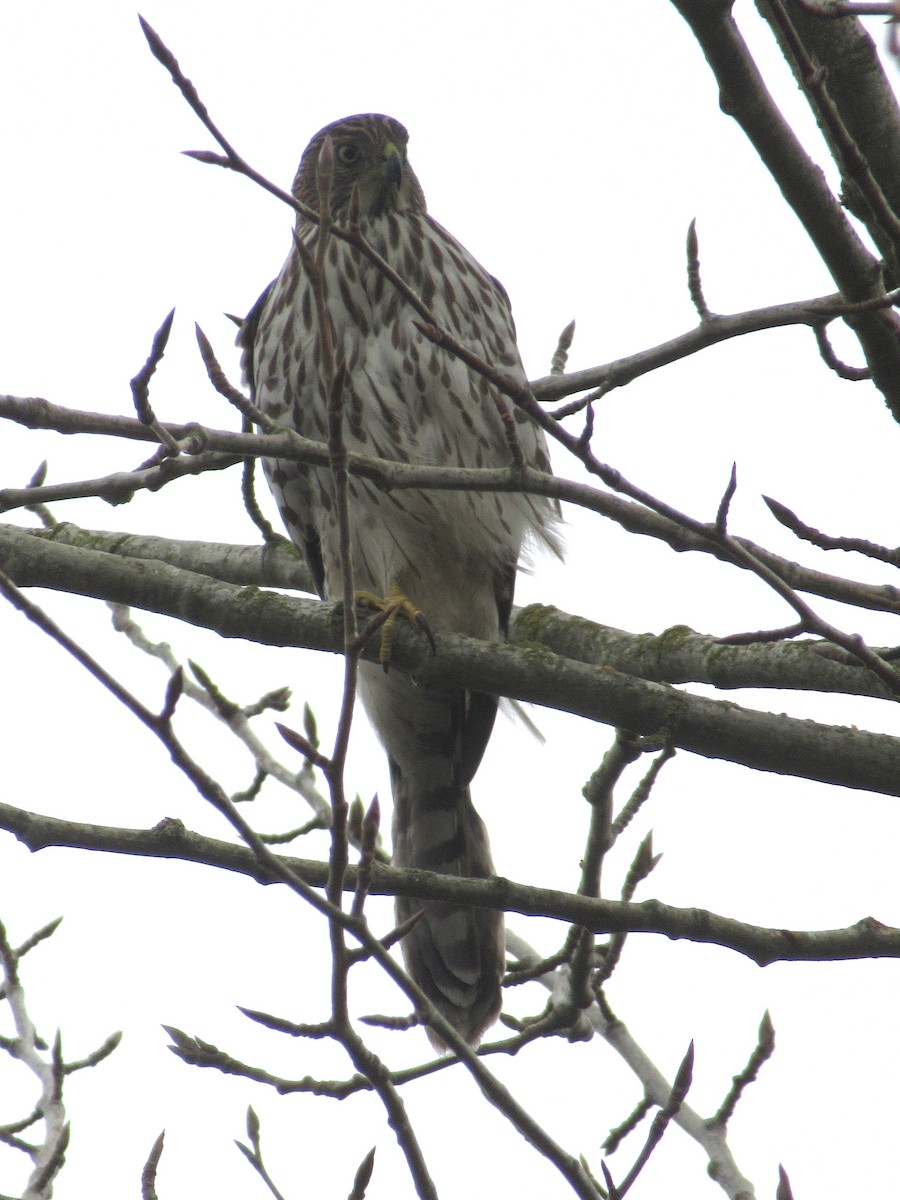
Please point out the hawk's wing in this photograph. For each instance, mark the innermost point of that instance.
(246, 341)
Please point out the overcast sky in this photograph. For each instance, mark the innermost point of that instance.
(568, 146)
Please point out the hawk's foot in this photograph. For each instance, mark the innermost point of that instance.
(394, 605)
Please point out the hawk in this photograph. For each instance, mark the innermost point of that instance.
(453, 555)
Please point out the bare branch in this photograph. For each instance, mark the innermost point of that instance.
(140, 388)
(695, 284)
(148, 1175)
(722, 1167)
(680, 1087)
(279, 565)
(745, 97)
(715, 328)
(725, 502)
(695, 723)
(868, 938)
(826, 541)
(50, 1070)
(561, 353)
(765, 1046)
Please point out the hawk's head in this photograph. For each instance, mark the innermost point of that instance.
(369, 152)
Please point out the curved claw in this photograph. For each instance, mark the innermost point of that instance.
(395, 604)
(426, 629)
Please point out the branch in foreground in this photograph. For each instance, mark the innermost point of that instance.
(388, 475)
(868, 938)
(160, 725)
(633, 517)
(710, 1135)
(274, 565)
(280, 566)
(680, 655)
(763, 741)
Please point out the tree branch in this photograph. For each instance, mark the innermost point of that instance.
(868, 938)
(852, 79)
(712, 329)
(678, 655)
(764, 741)
(744, 96)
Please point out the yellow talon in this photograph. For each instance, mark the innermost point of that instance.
(395, 604)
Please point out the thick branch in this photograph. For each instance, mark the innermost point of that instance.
(744, 96)
(715, 729)
(679, 655)
(279, 565)
(274, 565)
(856, 83)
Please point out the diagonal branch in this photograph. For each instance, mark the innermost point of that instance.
(160, 725)
(712, 329)
(744, 96)
(855, 105)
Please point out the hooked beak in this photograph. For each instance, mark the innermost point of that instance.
(392, 168)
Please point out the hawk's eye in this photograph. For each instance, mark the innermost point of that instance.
(348, 154)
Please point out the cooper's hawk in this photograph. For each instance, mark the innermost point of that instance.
(452, 554)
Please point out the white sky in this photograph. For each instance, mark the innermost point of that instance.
(568, 147)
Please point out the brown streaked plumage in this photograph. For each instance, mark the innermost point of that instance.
(453, 554)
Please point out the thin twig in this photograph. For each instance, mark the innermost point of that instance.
(695, 283)
(826, 541)
(680, 1086)
(725, 502)
(561, 353)
(48, 1154)
(140, 388)
(765, 1046)
(495, 1092)
(841, 369)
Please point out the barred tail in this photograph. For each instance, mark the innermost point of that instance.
(435, 739)
(455, 955)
